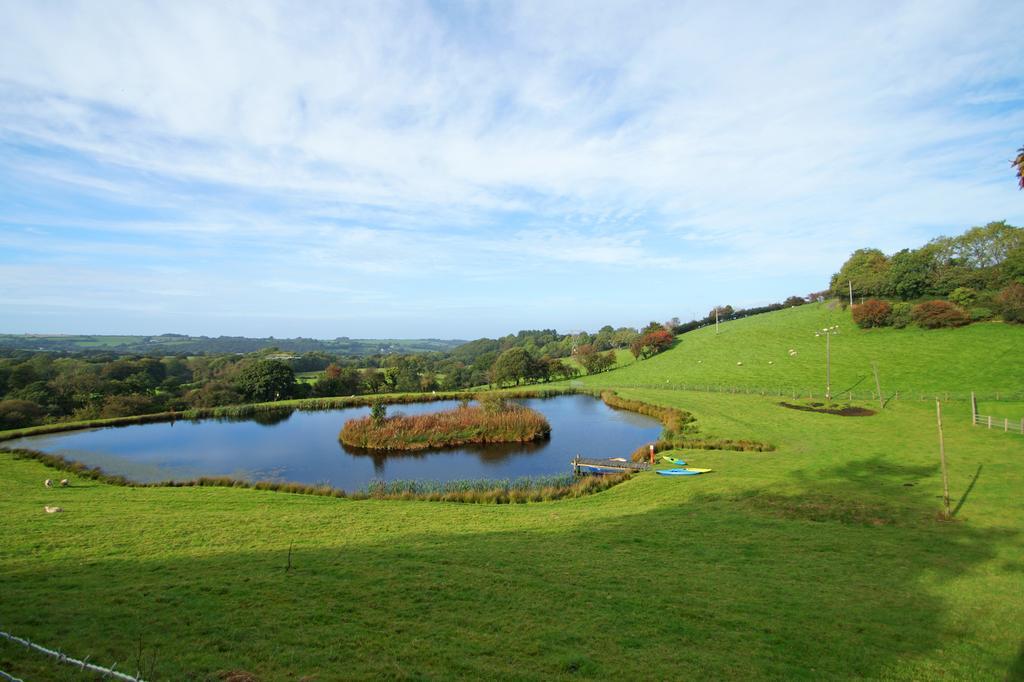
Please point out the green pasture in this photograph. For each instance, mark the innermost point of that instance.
(983, 357)
(824, 559)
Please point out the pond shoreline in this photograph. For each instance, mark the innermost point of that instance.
(290, 452)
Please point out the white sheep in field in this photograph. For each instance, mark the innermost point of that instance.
(64, 483)
(48, 483)
(771, 362)
(739, 364)
(52, 510)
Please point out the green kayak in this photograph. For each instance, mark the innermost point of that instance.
(674, 460)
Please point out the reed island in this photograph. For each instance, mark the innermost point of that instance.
(493, 420)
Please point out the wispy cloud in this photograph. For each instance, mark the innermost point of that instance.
(430, 155)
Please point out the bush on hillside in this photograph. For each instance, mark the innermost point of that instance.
(981, 313)
(963, 296)
(652, 343)
(900, 315)
(1011, 302)
(936, 314)
(872, 313)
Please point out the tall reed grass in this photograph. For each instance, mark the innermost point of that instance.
(482, 491)
(466, 424)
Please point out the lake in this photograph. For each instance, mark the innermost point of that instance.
(304, 447)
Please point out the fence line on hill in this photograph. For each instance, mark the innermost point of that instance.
(64, 658)
(813, 393)
(990, 421)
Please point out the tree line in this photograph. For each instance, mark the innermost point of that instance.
(950, 281)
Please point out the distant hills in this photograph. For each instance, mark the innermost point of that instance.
(174, 344)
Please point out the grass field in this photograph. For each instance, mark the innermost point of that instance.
(823, 559)
(981, 357)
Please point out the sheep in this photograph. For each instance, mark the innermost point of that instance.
(48, 483)
(52, 510)
(64, 483)
(771, 362)
(738, 364)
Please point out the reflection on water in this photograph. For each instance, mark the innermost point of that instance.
(486, 452)
(304, 447)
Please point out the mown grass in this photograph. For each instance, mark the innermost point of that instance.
(466, 424)
(822, 559)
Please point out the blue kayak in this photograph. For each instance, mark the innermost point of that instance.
(682, 472)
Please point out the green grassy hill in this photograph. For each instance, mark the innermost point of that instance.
(824, 559)
(983, 357)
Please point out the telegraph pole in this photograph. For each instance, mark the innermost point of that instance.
(851, 292)
(828, 332)
(716, 319)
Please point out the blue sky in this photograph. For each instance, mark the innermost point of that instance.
(409, 169)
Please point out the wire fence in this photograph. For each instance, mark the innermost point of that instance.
(68, 660)
(819, 393)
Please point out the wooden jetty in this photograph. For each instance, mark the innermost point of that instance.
(606, 466)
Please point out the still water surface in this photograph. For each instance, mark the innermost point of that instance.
(304, 447)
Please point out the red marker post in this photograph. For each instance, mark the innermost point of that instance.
(652, 454)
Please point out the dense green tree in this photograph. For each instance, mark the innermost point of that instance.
(867, 269)
(338, 381)
(624, 336)
(1013, 266)
(559, 369)
(214, 393)
(265, 380)
(911, 274)
(15, 414)
(515, 365)
(373, 379)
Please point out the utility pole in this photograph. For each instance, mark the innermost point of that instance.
(716, 319)
(828, 366)
(828, 332)
(851, 292)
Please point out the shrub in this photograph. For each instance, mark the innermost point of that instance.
(963, 296)
(936, 314)
(979, 313)
(900, 315)
(1011, 302)
(872, 313)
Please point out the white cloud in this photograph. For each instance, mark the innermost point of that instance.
(410, 140)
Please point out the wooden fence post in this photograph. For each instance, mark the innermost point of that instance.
(942, 459)
(990, 421)
(878, 386)
(974, 410)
